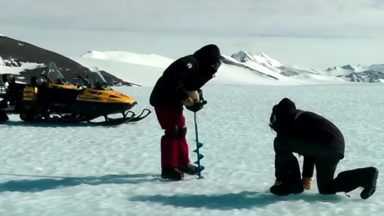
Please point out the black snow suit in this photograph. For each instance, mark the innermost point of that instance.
(188, 73)
(319, 141)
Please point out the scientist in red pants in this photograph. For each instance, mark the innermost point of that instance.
(179, 87)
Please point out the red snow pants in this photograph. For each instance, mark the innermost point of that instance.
(174, 146)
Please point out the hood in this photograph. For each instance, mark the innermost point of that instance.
(281, 114)
(208, 56)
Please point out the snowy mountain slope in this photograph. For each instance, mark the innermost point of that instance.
(262, 61)
(152, 60)
(138, 69)
(139, 74)
(26, 60)
(358, 73)
(261, 58)
(240, 68)
(130, 68)
(265, 64)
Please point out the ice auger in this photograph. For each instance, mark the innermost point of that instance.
(197, 151)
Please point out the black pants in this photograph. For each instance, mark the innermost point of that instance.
(3, 116)
(287, 168)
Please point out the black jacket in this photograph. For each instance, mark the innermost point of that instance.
(306, 133)
(188, 73)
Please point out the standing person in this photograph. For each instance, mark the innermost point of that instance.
(322, 145)
(180, 86)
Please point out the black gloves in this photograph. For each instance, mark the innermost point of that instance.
(195, 101)
(197, 106)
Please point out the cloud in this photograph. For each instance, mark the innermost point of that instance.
(296, 18)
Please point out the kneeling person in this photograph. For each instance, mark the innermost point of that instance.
(322, 145)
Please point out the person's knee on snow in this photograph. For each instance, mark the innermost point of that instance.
(350, 180)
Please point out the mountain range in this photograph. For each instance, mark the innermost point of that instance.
(261, 62)
(26, 60)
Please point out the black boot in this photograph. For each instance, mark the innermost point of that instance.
(288, 177)
(172, 174)
(282, 189)
(370, 188)
(189, 169)
(363, 177)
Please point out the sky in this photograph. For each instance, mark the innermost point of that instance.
(309, 33)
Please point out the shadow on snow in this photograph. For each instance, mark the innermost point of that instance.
(54, 124)
(53, 182)
(242, 200)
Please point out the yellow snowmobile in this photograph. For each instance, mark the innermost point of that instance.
(49, 98)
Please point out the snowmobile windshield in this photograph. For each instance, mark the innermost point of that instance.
(54, 74)
(98, 79)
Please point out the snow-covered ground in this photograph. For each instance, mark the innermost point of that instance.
(79, 170)
(88, 170)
